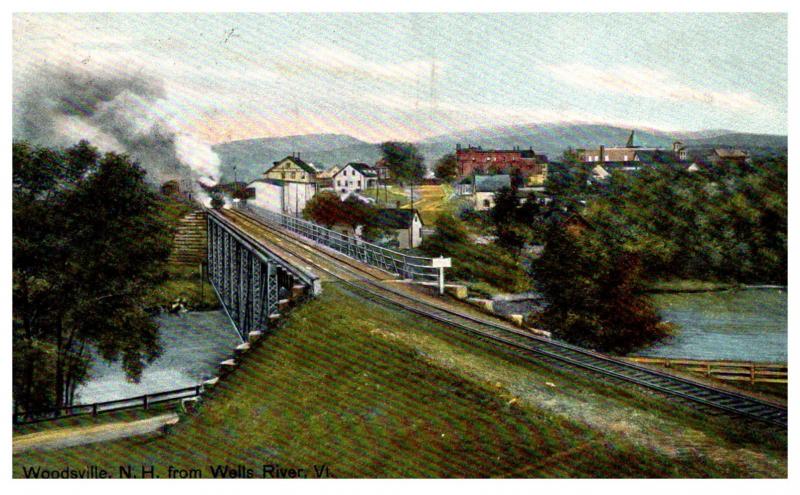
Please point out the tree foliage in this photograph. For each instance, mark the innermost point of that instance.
(327, 209)
(446, 167)
(404, 161)
(726, 221)
(594, 293)
(474, 262)
(516, 221)
(88, 245)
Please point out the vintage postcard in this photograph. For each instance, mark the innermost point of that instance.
(399, 245)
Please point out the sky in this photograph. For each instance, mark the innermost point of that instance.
(412, 76)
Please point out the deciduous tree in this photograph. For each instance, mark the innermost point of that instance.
(88, 246)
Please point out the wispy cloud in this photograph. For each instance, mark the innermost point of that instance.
(338, 62)
(649, 83)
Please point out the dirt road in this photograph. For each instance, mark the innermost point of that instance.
(68, 437)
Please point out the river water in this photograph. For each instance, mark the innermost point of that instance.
(193, 346)
(741, 325)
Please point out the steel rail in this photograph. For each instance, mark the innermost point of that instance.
(700, 393)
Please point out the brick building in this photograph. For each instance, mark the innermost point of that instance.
(473, 160)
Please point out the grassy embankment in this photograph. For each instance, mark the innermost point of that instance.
(378, 392)
(181, 281)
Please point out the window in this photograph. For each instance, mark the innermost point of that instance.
(625, 158)
(487, 203)
(338, 183)
(606, 157)
(293, 174)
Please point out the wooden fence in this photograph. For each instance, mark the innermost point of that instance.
(724, 370)
(143, 401)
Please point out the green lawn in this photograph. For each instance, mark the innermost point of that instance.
(375, 392)
(388, 197)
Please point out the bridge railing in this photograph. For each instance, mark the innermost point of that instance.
(401, 264)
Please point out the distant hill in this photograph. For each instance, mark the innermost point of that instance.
(742, 140)
(550, 139)
(252, 156)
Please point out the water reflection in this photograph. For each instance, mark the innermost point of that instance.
(193, 346)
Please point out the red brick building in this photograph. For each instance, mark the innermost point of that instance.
(478, 160)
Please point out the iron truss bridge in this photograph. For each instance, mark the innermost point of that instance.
(417, 268)
(249, 279)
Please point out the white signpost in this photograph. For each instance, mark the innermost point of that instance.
(441, 264)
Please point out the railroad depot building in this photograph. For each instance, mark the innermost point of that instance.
(476, 160)
(285, 187)
(355, 177)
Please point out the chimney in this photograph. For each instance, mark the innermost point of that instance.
(602, 153)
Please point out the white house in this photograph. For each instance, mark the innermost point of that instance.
(355, 177)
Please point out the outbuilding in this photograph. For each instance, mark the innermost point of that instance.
(406, 224)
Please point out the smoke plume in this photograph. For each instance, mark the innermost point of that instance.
(122, 112)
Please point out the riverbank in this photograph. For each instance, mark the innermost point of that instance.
(184, 285)
(688, 285)
(678, 286)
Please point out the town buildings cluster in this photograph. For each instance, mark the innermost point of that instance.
(289, 184)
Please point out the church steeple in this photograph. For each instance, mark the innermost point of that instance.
(630, 141)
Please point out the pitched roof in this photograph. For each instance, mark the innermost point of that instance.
(613, 154)
(396, 218)
(363, 168)
(491, 183)
(327, 174)
(297, 161)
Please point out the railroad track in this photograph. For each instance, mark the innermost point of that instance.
(530, 346)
